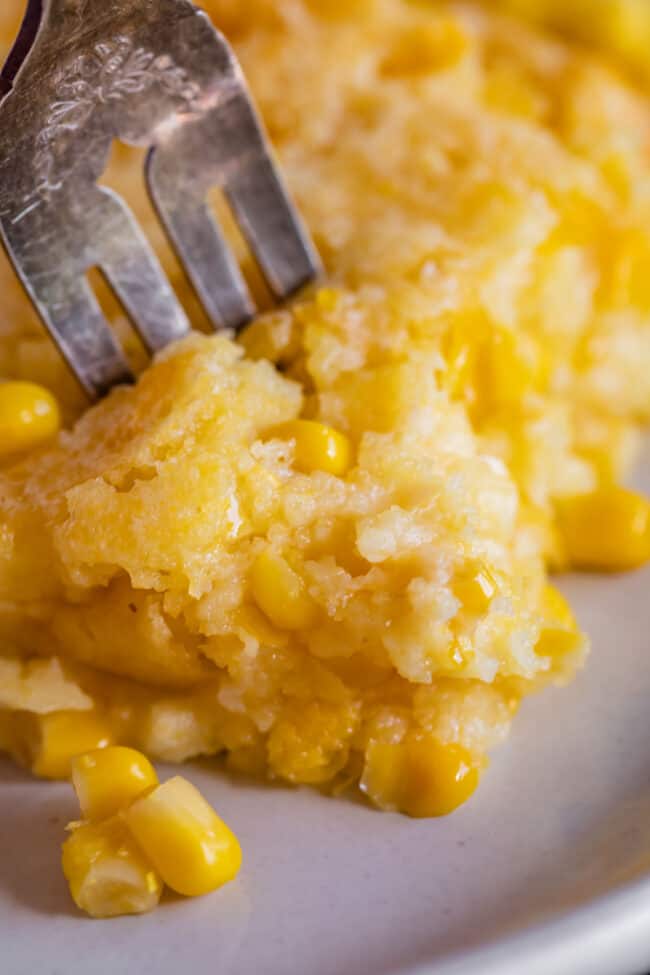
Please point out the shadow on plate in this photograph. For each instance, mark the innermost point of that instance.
(30, 841)
(216, 765)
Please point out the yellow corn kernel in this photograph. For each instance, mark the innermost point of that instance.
(106, 871)
(420, 778)
(109, 779)
(476, 588)
(280, 592)
(463, 348)
(341, 9)
(555, 607)
(608, 530)
(508, 89)
(628, 277)
(509, 371)
(47, 743)
(625, 28)
(560, 633)
(257, 625)
(189, 845)
(460, 363)
(459, 368)
(29, 415)
(317, 446)
(327, 299)
(425, 49)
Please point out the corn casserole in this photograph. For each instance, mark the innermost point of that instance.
(322, 549)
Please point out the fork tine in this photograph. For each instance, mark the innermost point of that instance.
(77, 325)
(134, 273)
(200, 246)
(271, 226)
(210, 265)
(227, 147)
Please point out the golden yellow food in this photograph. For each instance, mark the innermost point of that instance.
(107, 780)
(280, 593)
(47, 743)
(189, 845)
(421, 778)
(107, 872)
(316, 447)
(619, 27)
(29, 416)
(137, 835)
(608, 530)
(560, 633)
(335, 570)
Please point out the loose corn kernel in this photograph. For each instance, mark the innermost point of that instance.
(420, 778)
(189, 845)
(475, 587)
(47, 743)
(106, 871)
(608, 530)
(108, 779)
(317, 446)
(29, 415)
(280, 592)
(560, 634)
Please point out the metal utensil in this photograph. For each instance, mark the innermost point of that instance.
(152, 73)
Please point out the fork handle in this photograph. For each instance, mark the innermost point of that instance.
(57, 15)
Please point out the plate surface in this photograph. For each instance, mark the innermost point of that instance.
(546, 871)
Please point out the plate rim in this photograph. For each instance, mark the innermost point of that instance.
(590, 933)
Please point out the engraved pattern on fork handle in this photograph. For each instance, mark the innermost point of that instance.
(153, 73)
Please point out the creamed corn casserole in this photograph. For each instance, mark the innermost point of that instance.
(335, 570)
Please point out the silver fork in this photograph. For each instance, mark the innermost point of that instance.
(152, 73)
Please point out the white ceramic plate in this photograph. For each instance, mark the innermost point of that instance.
(545, 872)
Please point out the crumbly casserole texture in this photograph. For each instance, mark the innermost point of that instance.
(480, 194)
